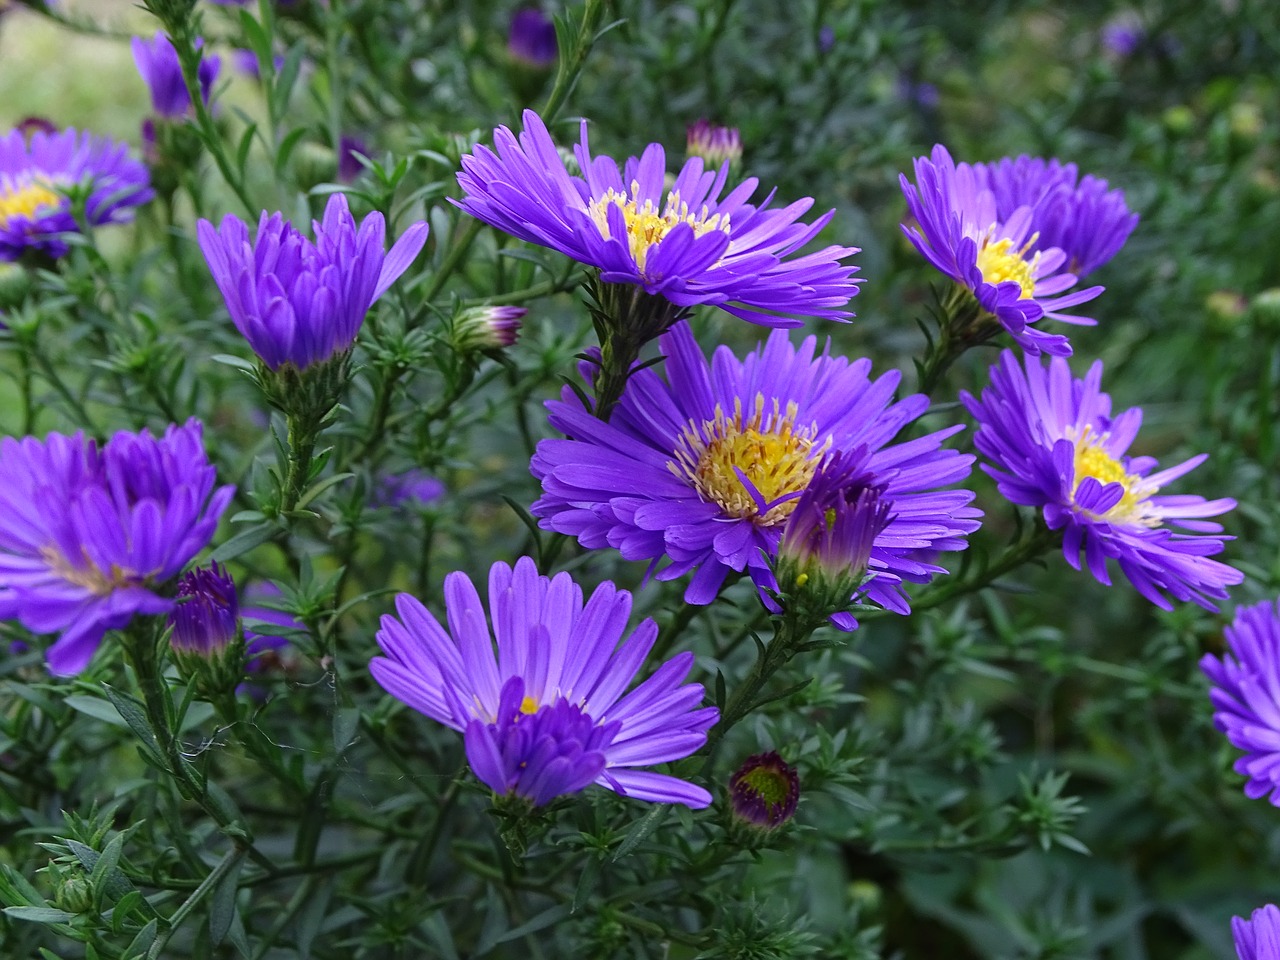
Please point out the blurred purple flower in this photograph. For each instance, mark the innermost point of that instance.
(157, 62)
(532, 40)
(414, 487)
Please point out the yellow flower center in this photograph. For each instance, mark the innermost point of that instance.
(1091, 460)
(775, 458)
(528, 705)
(1000, 263)
(92, 577)
(25, 199)
(645, 225)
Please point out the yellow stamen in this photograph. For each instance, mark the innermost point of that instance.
(645, 225)
(1092, 460)
(92, 577)
(25, 200)
(999, 263)
(775, 456)
(528, 705)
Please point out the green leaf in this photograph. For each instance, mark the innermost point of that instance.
(95, 707)
(244, 541)
(641, 829)
(222, 908)
(40, 914)
(345, 722)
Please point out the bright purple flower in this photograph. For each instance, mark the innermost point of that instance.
(1081, 217)
(300, 302)
(157, 62)
(86, 535)
(687, 244)
(548, 714)
(1246, 696)
(36, 174)
(532, 40)
(206, 619)
(706, 468)
(1054, 444)
(964, 236)
(1258, 938)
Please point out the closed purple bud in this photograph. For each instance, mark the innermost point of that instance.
(205, 621)
(486, 328)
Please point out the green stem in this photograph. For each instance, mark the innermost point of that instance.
(303, 434)
(570, 66)
(1029, 547)
(456, 253)
(226, 865)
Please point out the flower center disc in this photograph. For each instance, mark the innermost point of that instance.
(1000, 264)
(645, 225)
(25, 200)
(777, 459)
(1091, 460)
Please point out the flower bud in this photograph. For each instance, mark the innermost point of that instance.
(715, 145)
(206, 630)
(486, 328)
(532, 40)
(1264, 312)
(15, 284)
(826, 543)
(764, 791)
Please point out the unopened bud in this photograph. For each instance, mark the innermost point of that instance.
(715, 145)
(486, 328)
(764, 791)
(1225, 308)
(1264, 311)
(15, 284)
(206, 630)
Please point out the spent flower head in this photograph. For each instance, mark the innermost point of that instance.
(1053, 443)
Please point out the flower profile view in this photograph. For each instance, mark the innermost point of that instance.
(1246, 696)
(691, 243)
(549, 713)
(706, 468)
(39, 171)
(301, 302)
(992, 254)
(1053, 443)
(158, 64)
(88, 534)
(1081, 216)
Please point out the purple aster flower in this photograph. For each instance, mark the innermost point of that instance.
(415, 487)
(206, 619)
(705, 468)
(38, 171)
(1054, 444)
(1246, 696)
(715, 145)
(963, 235)
(1079, 216)
(532, 40)
(158, 63)
(764, 791)
(547, 715)
(688, 244)
(1258, 938)
(86, 535)
(1123, 34)
(299, 302)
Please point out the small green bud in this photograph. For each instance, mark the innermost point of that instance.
(75, 894)
(15, 284)
(1224, 309)
(1264, 312)
(1179, 121)
(314, 163)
